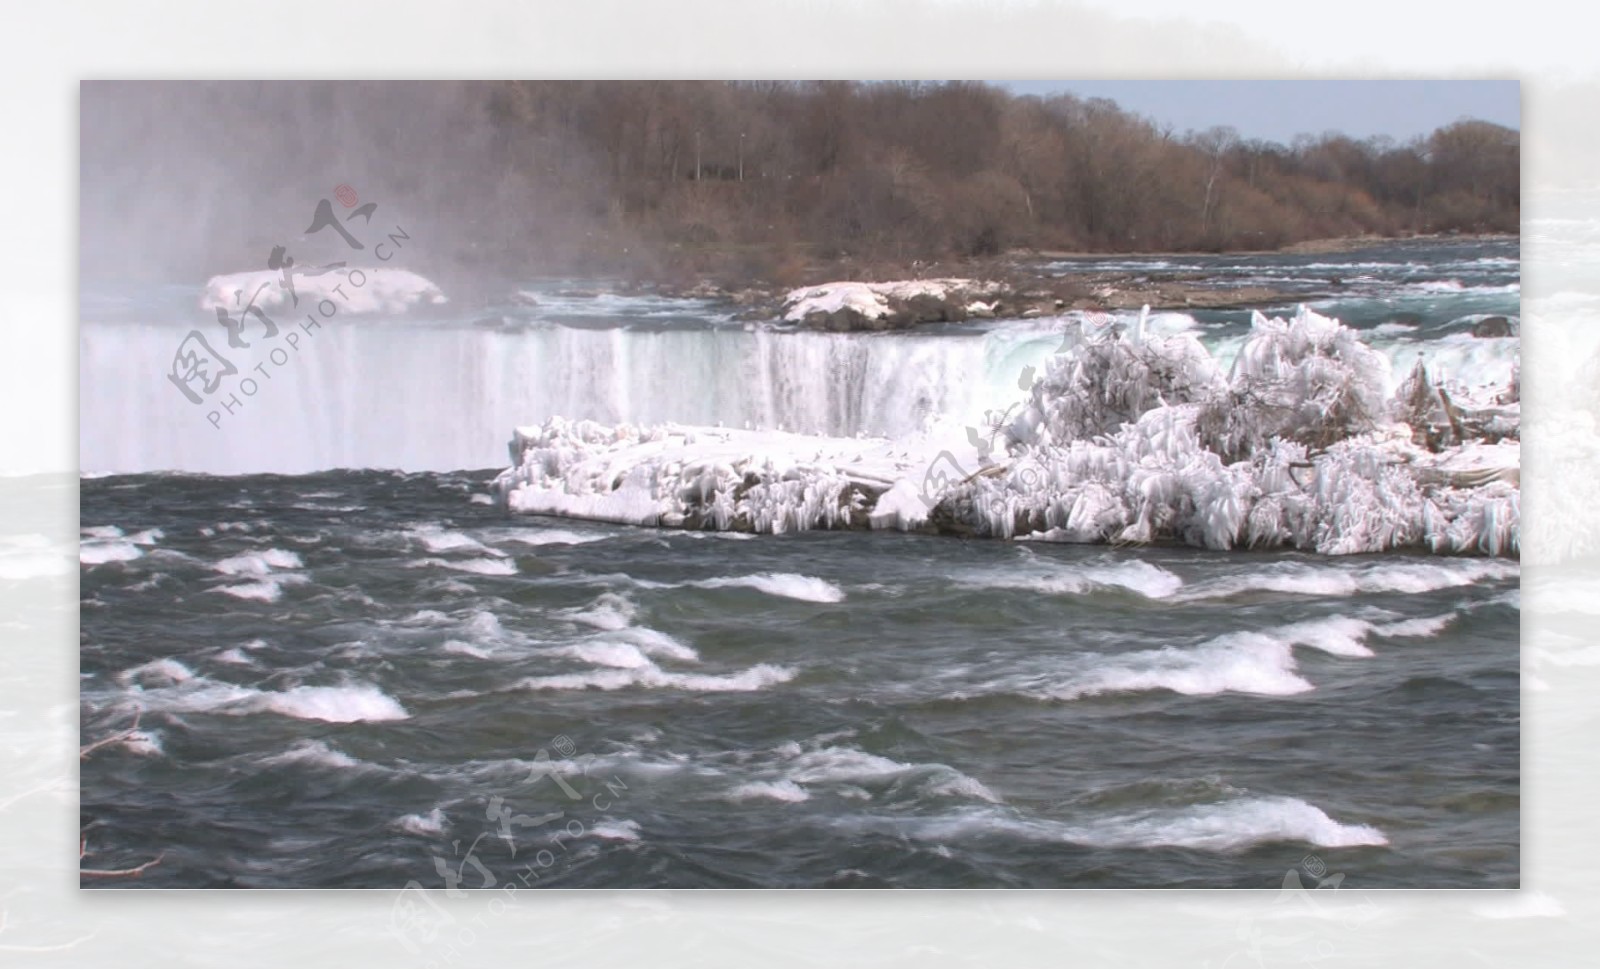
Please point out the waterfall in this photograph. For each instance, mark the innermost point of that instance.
(388, 392)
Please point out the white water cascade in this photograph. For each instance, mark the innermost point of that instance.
(383, 392)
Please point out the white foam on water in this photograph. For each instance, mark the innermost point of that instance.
(1242, 663)
(1419, 577)
(345, 704)
(1422, 626)
(1340, 636)
(768, 791)
(611, 611)
(430, 824)
(790, 585)
(1134, 575)
(962, 786)
(317, 753)
(552, 537)
(485, 625)
(437, 539)
(258, 563)
(830, 765)
(464, 649)
(833, 764)
(1229, 826)
(616, 830)
(234, 655)
(96, 553)
(620, 655)
(653, 643)
(268, 590)
(482, 566)
(339, 705)
(1246, 663)
(427, 618)
(753, 679)
(157, 673)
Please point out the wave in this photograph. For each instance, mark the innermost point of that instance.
(464, 649)
(336, 704)
(484, 566)
(157, 673)
(611, 611)
(258, 563)
(605, 654)
(798, 766)
(315, 753)
(340, 705)
(268, 590)
(551, 537)
(443, 540)
(1245, 662)
(616, 830)
(1222, 827)
(1146, 579)
(1338, 580)
(768, 791)
(433, 823)
(790, 585)
(752, 679)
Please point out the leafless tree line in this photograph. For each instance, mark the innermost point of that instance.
(607, 175)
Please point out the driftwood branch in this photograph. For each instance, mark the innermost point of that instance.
(83, 842)
(115, 873)
(117, 738)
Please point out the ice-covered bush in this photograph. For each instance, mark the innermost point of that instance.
(1308, 379)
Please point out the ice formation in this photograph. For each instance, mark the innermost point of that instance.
(1127, 437)
(713, 478)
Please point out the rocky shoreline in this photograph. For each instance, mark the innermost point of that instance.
(896, 295)
(1013, 285)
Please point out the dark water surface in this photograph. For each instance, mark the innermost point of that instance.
(369, 678)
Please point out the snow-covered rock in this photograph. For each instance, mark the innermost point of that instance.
(350, 289)
(849, 305)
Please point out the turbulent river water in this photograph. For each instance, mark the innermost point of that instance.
(373, 676)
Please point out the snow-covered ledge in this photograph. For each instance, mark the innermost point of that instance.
(847, 305)
(351, 289)
(715, 478)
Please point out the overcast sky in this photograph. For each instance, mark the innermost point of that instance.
(1279, 110)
